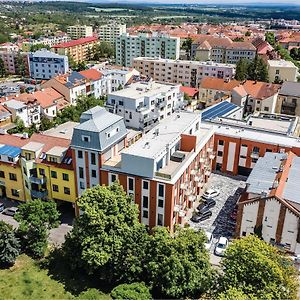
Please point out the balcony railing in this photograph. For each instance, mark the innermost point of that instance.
(39, 194)
(142, 108)
(37, 180)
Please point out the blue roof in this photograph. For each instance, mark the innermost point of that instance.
(73, 78)
(10, 151)
(218, 110)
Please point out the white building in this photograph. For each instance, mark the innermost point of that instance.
(282, 70)
(143, 104)
(18, 109)
(79, 31)
(129, 47)
(109, 32)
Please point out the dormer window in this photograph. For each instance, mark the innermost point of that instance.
(10, 159)
(86, 138)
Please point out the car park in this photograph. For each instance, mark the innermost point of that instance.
(204, 215)
(210, 194)
(221, 246)
(206, 204)
(209, 240)
(10, 211)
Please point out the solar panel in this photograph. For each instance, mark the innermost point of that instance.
(217, 110)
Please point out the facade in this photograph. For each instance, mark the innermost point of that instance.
(44, 64)
(221, 50)
(109, 32)
(14, 61)
(185, 72)
(79, 31)
(76, 49)
(49, 41)
(289, 99)
(144, 104)
(272, 206)
(129, 47)
(99, 82)
(282, 70)
(18, 110)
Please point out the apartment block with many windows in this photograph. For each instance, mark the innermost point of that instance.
(109, 32)
(129, 47)
(185, 72)
(79, 31)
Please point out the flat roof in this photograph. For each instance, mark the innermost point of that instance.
(56, 151)
(263, 175)
(281, 63)
(139, 90)
(10, 151)
(291, 190)
(221, 109)
(14, 104)
(64, 130)
(151, 144)
(33, 146)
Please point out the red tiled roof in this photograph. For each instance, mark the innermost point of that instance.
(218, 84)
(13, 140)
(92, 74)
(190, 91)
(76, 42)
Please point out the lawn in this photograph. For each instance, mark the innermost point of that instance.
(26, 281)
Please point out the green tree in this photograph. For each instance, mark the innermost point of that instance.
(37, 47)
(248, 33)
(9, 245)
(295, 53)
(45, 124)
(91, 294)
(133, 291)
(36, 218)
(270, 38)
(107, 237)
(258, 270)
(178, 266)
(258, 70)
(187, 46)
(234, 294)
(242, 69)
(19, 126)
(21, 66)
(2, 68)
(102, 50)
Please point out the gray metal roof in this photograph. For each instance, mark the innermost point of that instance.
(14, 104)
(45, 53)
(264, 173)
(290, 88)
(291, 190)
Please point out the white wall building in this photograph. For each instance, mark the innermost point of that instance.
(18, 110)
(109, 32)
(79, 31)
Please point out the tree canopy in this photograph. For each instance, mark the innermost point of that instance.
(133, 291)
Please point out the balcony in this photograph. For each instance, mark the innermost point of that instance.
(37, 180)
(162, 104)
(39, 194)
(142, 108)
(289, 104)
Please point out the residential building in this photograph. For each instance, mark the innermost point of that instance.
(271, 206)
(44, 64)
(9, 47)
(289, 99)
(15, 61)
(78, 50)
(282, 70)
(165, 170)
(221, 50)
(5, 117)
(79, 31)
(109, 32)
(100, 136)
(71, 86)
(185, 72)
(129, 47)
(99, 83)
(143, 104)
(18, 110)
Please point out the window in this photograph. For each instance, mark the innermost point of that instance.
(160, 218)
(13, 176)
(81, 172)
(85, 138)
(220, 153)
(80, 155)
(42, 172)
(53, 174)
(145, 185)
(55, 188)
(130, 184)
(145, 202)
(65, 177)
(221, 143)
(94, 173)
(10, 159)
(15, 193)
(145, 214)
(2, 174)
(93, 158)
(161, 190)
(66, 191)
(254, 160)
(161, 203)
(255, 149)
(81, 185)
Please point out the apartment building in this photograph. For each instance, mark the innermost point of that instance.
(282, 70)
(71, 86)
(44, 64)
(109, 32)
(129, 47)
(271, 206)
(289, 99)
(14, 61)
(221, 50)
(165, 170)
(144, 104)
(185, 72)
(79, 31)
(76, 49)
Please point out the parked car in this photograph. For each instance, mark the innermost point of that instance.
(206, 204)
(2, 207)
(210, 193)
(204, 215)
(221, 246)
(209, 240)
(10, 211)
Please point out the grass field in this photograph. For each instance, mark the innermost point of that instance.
(26, 281)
